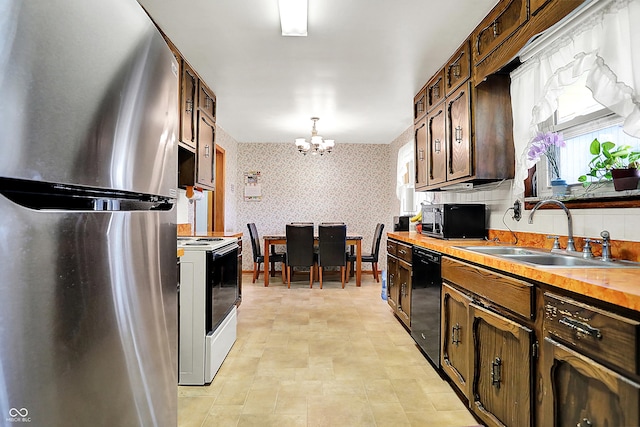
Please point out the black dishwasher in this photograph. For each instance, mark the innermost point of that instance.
(425, 302)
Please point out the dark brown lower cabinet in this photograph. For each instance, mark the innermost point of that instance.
(586, 393)
(392, 282)
(501, 385)
(455, 337)
(404, 292)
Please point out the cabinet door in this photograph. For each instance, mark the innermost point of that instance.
(459, 133)
(500, 24)
(458, 69)
(436, 146)
(206, 152)
(404, 292)
(501, 386)
(420, 105)
(188, 104)
(585, 393)
(392, 282)
(206, 100)
(421, 153)
(435, 90)
(455, 337)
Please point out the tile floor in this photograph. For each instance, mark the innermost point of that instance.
(321, 357)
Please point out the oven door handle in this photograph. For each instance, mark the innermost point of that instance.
(227, 250)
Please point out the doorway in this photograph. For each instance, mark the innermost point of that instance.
(216, 199)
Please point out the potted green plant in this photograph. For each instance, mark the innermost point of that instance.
(619, 164)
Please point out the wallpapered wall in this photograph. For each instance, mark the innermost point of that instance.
(230, 146)
(351, 184)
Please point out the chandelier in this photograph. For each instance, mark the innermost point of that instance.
(317, 144)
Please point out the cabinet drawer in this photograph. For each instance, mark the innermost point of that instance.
(403, 252)
(391, 247)
(513, 294)
(420, 104)
(435, 90)
(458, 69)
(500, 24)
(596, 332)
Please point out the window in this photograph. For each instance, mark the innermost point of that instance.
(595, 46)
(581, 119)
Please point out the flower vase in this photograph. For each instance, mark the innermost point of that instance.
(558, 187)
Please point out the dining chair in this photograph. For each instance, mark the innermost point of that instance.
(299, 250)
(370, 257)
(258, 258)
(332, 249)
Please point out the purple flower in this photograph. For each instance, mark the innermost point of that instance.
(547, 144)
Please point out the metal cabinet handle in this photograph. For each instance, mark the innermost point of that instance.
(206, 150)
(189, 106)
(436, 90)
(436, 146)
(458, 134)
(496, 368)
(455, 335)
(581, 327)
(421, 154)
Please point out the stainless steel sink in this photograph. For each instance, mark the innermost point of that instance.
(560, 260)
(548, 259)
(501, 250)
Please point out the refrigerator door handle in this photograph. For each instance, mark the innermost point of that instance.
(46, 196)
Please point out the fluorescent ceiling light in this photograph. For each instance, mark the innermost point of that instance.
(293, 17)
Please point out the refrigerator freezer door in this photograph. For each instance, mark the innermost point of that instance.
(89, 96)
(88, 317)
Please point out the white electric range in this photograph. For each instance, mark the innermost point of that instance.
(209, 291)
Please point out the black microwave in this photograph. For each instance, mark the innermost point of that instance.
(454, 221)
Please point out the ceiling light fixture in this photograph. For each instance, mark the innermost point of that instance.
(317, 144)
(293, 17)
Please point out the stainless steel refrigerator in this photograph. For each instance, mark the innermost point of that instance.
(88, 159)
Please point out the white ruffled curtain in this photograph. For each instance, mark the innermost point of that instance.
(601, 39)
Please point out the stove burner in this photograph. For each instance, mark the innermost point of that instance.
(182, 239)
(210, 239)
(195, 244)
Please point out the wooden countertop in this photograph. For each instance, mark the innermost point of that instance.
(619, 286)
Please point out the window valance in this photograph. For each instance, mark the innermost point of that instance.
(601, 38)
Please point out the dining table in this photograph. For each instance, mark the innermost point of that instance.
(281, 239)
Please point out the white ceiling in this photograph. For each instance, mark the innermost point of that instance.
(358, 69)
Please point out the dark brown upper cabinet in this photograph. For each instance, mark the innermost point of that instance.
(188, 99)
(420, 105)
(206, 100)
(458, 69)
(498, 26)
(435, 90)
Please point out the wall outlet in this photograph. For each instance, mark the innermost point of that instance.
(517, 210)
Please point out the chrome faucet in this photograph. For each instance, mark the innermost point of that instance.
(571, 247)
